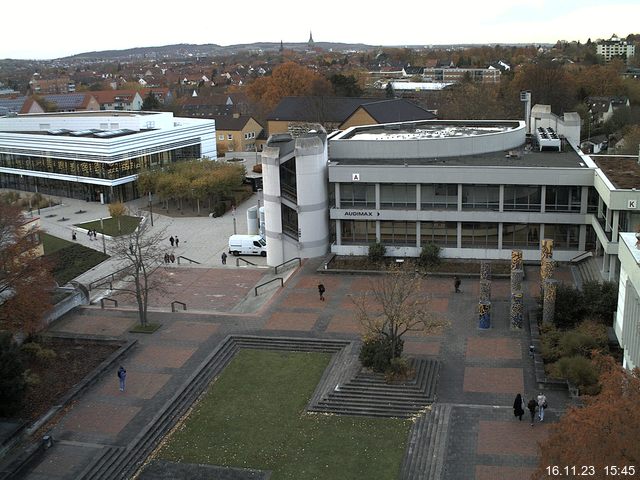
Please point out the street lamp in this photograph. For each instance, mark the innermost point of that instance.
(151, 208)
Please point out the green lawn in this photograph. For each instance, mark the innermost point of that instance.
(253, 417)
(128, 224)
(52, 244)
(69, 259)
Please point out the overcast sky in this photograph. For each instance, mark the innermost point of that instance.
(44, 29)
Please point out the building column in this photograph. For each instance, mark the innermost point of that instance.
(378, 231)
(378, 198)
(418, 239)
(582, 238)
(459, 199)
(543, 200)
(613, 267)
(614, 225)
(500, 235)
(584, 200)
(336, 193)
(607, 221)
(459, 235)
(338, 232)
(501, 200)
(418, 197)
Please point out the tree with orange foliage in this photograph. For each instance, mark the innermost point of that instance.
(602, 433)
(25, 278)
(287, 80)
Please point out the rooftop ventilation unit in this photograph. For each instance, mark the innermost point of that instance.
(548, 138)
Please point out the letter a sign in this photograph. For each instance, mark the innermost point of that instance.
(355, 177)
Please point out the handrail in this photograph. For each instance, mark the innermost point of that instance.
(289, 261)
(115, 302)
(173, 305)
(267, 283)
(245, 261)
(111, 278)
(192, 261)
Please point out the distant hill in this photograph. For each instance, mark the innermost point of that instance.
(211, 49)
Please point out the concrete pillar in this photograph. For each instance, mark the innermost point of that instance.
(614, 226)
(485, 291)
(543, 201)
(516, 313)
(485, 270)
(517, 276)
(584, 200)
(484, 315)
(549, 301)
(501, 201)
(459, 201)
(516, 260)
(613, 267)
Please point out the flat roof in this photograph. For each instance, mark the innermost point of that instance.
(420, 130)
(520, 157)
(622, 170)
(435, 130)
(92, 113)
(88, 133)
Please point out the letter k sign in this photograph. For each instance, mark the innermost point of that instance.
(632, 204)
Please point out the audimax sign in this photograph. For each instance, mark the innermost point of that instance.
(361, 213)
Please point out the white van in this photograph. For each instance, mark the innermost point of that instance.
(247, 245)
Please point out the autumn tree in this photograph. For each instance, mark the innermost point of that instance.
(150, 102)
(25, 278)
(286, 80)
(549, 84)
(12, 381)
(604, 432)
(117, 210)
(395, 304)
(140, 254)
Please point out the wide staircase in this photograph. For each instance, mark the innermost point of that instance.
(589, 270)
(424, 456)
(367, 393)
(117, 462)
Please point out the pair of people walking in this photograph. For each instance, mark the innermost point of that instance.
(539, 403)
(174, 241)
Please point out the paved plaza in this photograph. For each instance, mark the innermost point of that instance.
(481, 370)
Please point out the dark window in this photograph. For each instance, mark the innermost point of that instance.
(480, 197)
(444, 234)
(523, 198)
(479, 235)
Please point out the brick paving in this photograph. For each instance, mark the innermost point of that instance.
(481, 371)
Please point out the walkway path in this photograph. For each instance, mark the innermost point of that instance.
(481, 371)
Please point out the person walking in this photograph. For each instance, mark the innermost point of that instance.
(73, 235)
(532, 409)
(177, 241)
(224, 258)
(456, 283)
(518, 407)
(321, 291)
(90, 234)
(122, 375)
(171, 240)
(542, 404)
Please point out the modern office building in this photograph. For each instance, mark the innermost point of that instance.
(96, 155)
(627, 320)
(478, 189)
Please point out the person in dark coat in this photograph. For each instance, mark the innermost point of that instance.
(224, 258)
(518, 407)
(321, 291)
(171, 240)
(122, 375)
(532, 405)
(456, 283)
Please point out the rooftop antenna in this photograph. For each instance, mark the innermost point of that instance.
(525, 97)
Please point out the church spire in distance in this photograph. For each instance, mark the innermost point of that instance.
(310, 42)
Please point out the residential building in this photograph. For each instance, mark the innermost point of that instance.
(296, 114)
(236, 133)
(96, 156)
(457, 75)
(58, 85)
(72, 102)
(615, 48)
(602, 108)
(19, 105)
(118, 99)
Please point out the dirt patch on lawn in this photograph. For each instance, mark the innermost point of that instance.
(73, 361)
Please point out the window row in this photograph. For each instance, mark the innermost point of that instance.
(445, 234)
(109, 171)
(521, 198)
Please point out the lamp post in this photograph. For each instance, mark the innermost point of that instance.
(233, 212)
(151, 208)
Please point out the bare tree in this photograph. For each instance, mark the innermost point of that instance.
(396, 303)
(141, 255)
